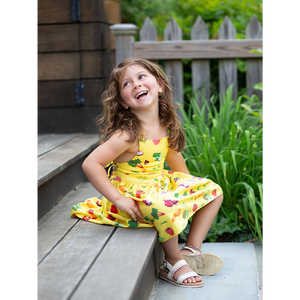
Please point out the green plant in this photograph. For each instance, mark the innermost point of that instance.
(225, 145)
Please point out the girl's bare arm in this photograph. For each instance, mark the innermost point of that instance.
(93, 167)
(176, 162)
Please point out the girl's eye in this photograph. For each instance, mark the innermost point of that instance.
(125, 83)
(142, 76)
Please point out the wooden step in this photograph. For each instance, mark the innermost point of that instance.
(82, 260)
(60, 157)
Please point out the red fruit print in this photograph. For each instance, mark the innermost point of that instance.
(214, 193)
(146, 162)
(110, 217)
(170, 231)
(118, 178)
(170, 172)
(139, 193)
(98, 203)
(170, 203)
(86, 218)
(113, 209)
(195, 207)
(156, 142)
(192, 192)
(90, 211)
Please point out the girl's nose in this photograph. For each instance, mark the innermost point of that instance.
(136, 85)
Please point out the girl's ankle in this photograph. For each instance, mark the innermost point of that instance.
(173, 260)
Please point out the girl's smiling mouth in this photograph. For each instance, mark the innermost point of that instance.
(141, 94)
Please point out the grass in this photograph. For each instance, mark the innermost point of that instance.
(224, 144)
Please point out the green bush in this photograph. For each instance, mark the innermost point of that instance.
(225, 145)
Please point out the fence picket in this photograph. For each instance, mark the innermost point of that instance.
(227, 67)
(148, 33)
(200, 67)
(200, 49)
(254, 65)
(174, 68)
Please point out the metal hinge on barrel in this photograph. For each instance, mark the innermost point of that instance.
(75, 10)
(79, 93)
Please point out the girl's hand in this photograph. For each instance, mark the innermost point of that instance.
(130, 206)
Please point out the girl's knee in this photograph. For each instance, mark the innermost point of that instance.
(220, 198)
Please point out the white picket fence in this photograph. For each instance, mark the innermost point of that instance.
(200, 49)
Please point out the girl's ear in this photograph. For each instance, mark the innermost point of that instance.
(161, 86)
(123, 103)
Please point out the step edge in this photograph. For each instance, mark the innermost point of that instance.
(66, 164)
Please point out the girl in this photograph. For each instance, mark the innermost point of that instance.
(141, 132)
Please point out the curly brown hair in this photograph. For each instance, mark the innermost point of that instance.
(115, 117)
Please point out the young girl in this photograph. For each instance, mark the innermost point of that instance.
(141, 132)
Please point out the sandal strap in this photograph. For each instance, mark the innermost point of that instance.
(191, 249)
(173, 269)
(182, 277)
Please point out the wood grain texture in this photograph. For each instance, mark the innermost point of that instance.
(55, 66)
(61, 157)
(254, 66)
(196, 49)
(200, 68)
(174, 68)
(228, 67)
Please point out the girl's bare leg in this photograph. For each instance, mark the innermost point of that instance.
(173, 255)
(201, 223)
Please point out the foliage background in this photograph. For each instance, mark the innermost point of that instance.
(185, 13)
(233, 165)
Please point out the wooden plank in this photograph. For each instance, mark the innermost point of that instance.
(63, 269)
(200, 68)
(55, 189)
(101, 10)
(53, 141)
(54, 11)
(94, 36)
(56, 93)
(61, 157)
(197, 49)
(174, 68)
(124, 257)
(227, 67)
(148, 33)
(93, 90)
(42, 137)
(254, 66)
(62, 37)
(57, 222)
(55, 66)
(68, 119)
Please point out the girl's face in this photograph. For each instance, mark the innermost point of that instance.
(139, 89)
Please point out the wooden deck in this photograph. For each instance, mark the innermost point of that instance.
(60, 157)
(82, 260)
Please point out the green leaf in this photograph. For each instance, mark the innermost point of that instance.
(258, 86)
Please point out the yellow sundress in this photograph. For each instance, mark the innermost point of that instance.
(166, 199)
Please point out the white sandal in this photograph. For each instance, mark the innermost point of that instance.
(205, 264)
(167, 272)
